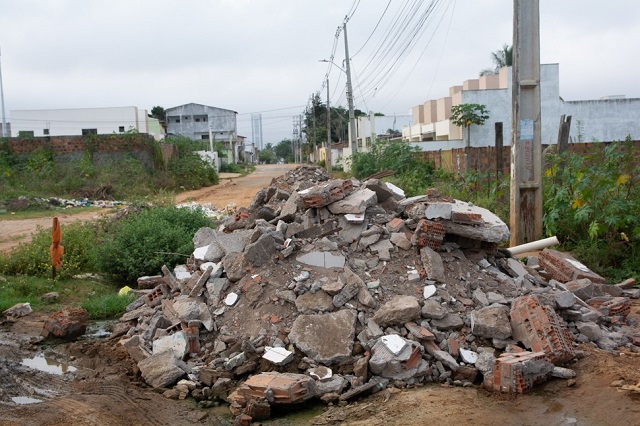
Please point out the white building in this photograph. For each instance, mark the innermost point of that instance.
(604, 120)
(83, 121)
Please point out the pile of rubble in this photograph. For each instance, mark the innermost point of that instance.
(339, 288)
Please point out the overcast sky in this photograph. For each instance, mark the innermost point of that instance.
(261, 56)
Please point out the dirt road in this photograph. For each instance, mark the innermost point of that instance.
(236, 190)
(239, 191)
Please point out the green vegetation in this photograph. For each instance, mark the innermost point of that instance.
(411, 173)
(99, 298)
(592, 203)
(33, 258)
(140, 244)
(123, 250)
(242, 168)
(109, 305)
(125, 177)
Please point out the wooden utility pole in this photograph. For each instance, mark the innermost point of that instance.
(526, 148)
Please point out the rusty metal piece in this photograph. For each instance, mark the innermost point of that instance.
(428, 234)
(279, 388)
(539, 329)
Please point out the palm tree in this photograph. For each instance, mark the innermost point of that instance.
(501, 58)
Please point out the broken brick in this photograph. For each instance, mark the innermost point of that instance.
(540, 329)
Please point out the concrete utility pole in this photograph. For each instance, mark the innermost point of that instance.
(352, 118)
(526, 148)
(328, 159)
(4, 116)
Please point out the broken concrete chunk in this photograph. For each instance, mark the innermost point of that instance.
(432, 263)
(260, 252)
(433, 310)
(311, 303)
(468, 357)
(231, 299)
(438, 210)
(327, 338)
(428, 291)
(399, 239)
(322, 259)
(18, 310)
(357, 202)
(451, 321)
(476, 223)
(399, 310)
(446, 359)
(399, 366)
(564, 299)
(277, 356)
(491, 322)
(321, 373)
(161, 370)
(394, 343)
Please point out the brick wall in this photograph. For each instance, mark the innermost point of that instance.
(105, 148)
(484, 159)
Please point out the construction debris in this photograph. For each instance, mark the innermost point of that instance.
(339, 288)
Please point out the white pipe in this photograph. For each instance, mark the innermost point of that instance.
(534, 245)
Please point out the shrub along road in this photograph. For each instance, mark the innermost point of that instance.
(238, 190)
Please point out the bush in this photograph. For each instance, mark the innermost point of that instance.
(141, 243)
(33, 258)
(591, 202)
(188, 169)
(412, 174)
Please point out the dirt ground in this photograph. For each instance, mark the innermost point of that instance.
(106, 389)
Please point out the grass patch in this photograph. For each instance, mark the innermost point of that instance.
(93, 295)
(107, 306)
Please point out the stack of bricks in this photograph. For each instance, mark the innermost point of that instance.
(564, 268)
(518, 372)
(540, 329)
(429, 234)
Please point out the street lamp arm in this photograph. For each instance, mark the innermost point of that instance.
(331, 62)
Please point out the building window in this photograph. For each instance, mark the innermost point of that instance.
(45, 132)
(121, 129)
(204, 137)
(197, 120)
(86, 132)
(25, 134)
(177, 120)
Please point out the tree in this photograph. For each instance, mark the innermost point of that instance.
(284, 150)
(267, 154)
(464, 115)
(501, 58)
(159, 113)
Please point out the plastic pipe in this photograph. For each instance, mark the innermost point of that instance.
(534, 245)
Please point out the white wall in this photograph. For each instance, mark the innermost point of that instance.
(70, 122)
(603, 120)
